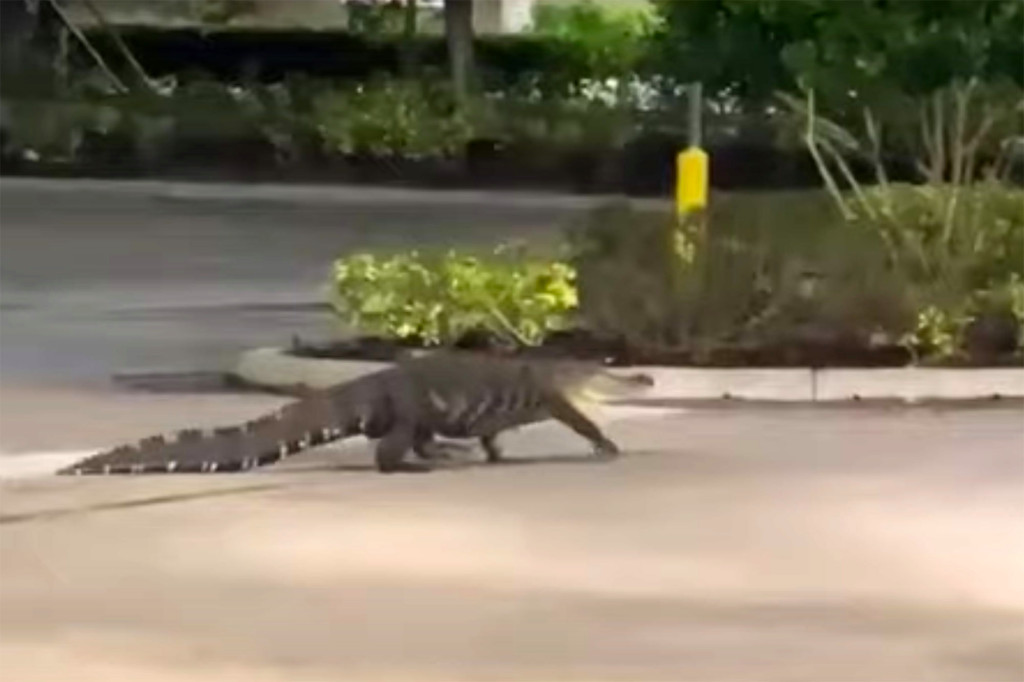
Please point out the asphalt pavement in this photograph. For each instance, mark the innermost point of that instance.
(742, 546)
(102, 277)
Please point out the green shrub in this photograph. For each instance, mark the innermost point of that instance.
(391, 117)
(609, 40)
(205, 109)
(625, 264)
(956, 242)
(51, 130)
(46, 118)
(198, 110)
(1013, 298)
(994, 314)
(557, 124)
(780, 269)
(386, 117)
(754, 49)
(971, 236)
(959, 249)
(280, 114)
(768, 269)
(434, 299)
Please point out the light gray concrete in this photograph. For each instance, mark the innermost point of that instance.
(917, 383)
(98, 277)
(274, 367)
(750, 546)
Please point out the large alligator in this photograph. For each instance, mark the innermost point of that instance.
(451, 394)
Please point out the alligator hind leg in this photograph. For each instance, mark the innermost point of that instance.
(391, 451)
(492, 447)
(428, 449)
(564, 411)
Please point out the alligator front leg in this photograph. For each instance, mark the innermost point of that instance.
(564, 411)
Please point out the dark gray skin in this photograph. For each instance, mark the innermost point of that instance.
(404, 407)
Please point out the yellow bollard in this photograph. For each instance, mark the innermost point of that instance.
(691, 180)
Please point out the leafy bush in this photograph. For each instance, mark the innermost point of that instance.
(970, 237)
(434, 299)
(754, 49)
(954, 240)
(391, 117)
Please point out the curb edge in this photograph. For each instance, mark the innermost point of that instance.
(272, 367)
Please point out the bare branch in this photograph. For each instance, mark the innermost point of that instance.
(938, 139)
(826, 175)
(116, 35)
(97, 57)
(844, 168)
(875, 137)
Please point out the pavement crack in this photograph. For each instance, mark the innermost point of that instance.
(47, 514)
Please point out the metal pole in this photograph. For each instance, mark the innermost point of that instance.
(695, 99)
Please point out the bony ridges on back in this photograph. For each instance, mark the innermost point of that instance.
(491, 395)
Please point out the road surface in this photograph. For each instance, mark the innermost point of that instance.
(100, 277)
(747, 546)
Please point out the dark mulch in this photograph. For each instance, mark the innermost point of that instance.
(580, 344)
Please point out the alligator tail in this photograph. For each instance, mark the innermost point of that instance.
(293, 428)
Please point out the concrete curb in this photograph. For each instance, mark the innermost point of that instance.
(323, 193)
(274, 368)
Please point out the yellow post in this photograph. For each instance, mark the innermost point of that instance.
(691, 180)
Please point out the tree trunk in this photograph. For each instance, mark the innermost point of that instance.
(409, 56)
(458, 26)
(26, 24)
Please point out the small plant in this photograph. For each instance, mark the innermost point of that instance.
(937, 333)
(1015, 290)
(997, 317)
(434, 299)
(1016, 294)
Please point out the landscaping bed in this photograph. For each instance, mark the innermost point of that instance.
(583, 345)
(644, 168)
(760, 280)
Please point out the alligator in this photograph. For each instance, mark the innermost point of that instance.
(454, 394)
